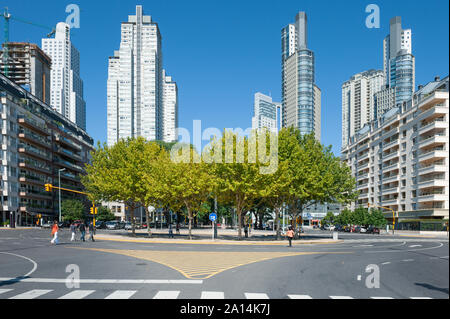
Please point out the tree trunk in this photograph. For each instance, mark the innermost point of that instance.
(239, 215)
(190, 222)
(147, 218)
(133, 232)
(277, 218)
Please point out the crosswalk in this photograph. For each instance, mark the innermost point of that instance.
(162, 294)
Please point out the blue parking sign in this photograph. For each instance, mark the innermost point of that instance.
(212, 216)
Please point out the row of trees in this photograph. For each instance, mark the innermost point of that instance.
(360, 216)
(72, 210)
(265, 171)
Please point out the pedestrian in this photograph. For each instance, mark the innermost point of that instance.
(178, 228)
(72, 230)
(82, 228)
(290, 235)
(246, 230)
(55, 229)
(91, 231)
(170, 231)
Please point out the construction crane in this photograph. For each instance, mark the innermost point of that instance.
(7, 16)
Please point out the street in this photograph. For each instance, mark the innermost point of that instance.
(409, 267)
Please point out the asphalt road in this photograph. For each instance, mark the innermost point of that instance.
(408, 267)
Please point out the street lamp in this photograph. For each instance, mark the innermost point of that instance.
(59, 184)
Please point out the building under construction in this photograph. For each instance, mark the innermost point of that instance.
(28, 66)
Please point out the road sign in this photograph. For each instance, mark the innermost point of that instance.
(212, 217)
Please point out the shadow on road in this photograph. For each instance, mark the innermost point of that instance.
(431, 287)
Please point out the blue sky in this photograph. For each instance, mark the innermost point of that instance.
(222, 52)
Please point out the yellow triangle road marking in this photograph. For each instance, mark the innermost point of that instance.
(201, 264)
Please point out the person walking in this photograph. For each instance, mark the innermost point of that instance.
(246, 230)
(170, 231)
(178, 228)
(55, 230)
(72, 230)
(82, 228)
(91, 231)
(290, 235)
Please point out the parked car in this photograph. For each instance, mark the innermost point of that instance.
(63, 224)
(373, 230)
(112, 225)
(339, 228)
(128, 226)
(347, 229)
(99, 224)
(329, 227)
(363, 229)
(47, 225)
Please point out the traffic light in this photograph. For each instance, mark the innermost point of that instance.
(48, 187)
(96, 210)
(92, 210)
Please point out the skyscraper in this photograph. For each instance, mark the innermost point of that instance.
(136, 84)
(170, 107)
(301, 100)
(265, 113)
(398, 61)
(66, 84)
(358, 95)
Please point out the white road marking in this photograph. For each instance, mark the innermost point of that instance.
(412, 246)
(381, 298)
(363, 246)
(31, 294)
(406, 260)
(341, 297)
(420, 298)
(20, 256)
(359, 277)
(256, 296)
(386, 263)
(299, 297)
(396, 251)
(103, 281)
(212, 295)
(121, 294)
(167, 295)
(77, 294)
(2, 291)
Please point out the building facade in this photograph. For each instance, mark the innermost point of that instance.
(301, 100)
(137, 85)
(37, 144)
(401, 160)
(265, 113)
(29, 67)
(66, 85)
(358, 101)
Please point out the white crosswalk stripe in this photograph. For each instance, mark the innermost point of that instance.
(212, 295)
(2, 291)
(77, 294)
(256, 296)
(121, 294)
(31, 294)
(299, 297)
(167, 295)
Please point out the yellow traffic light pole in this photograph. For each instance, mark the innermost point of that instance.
(393, 214)
(49, 188)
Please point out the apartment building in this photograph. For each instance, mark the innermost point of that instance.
(265, 113)
(401, 160)
(37, 145)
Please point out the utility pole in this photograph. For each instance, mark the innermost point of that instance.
(59, 185)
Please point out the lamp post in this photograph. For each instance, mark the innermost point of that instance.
(59, 185)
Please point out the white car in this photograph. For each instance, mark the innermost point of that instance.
(363, 230)
(112, 225)
(329, 227)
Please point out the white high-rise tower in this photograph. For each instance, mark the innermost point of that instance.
(136, 84)
(66, 85)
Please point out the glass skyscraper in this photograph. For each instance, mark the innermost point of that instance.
(301, 98)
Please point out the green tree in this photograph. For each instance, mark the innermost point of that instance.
(105, 214)
(376, 218)
(329, 218)
(72, 210)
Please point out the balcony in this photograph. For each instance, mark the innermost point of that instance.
(363, 196)
(432, 197)
(438, 168)
(25, 149)
(31, 165)
(391, 201)
(34, 125)
(363, 166)
(392, 190)
(23, 178)
(391, 167)
(436, 124)
(72, 177)
(362, 176)
(67, 153)
(392, 178)
(362, 186)
(34, 138)
(68, 142)
(390, 155)
(435, 182)
(34, 194)
(434, 140)
(363, 157)
(391, 132)
(434, 154)
(35, 208)
(390, 144)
